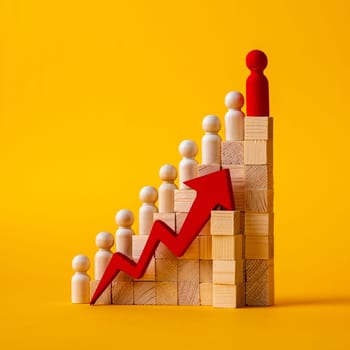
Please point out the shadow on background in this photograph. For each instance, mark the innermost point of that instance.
(309, 301)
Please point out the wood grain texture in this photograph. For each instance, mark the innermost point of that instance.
(205, 169)
(227, 247)
(260, 201)
(258, 128)
(259, 269)
(188, 293)
(150, 273)
(259, 247)
(163, 252)
(122, 293)
(258, 224)
(168, 218)
(166, 270)
(229, 295)
(238, 176)
(183, 200)
(205, 231)
(228, 271)
(232, 152)
(258, 177)
(192, 252)
(206, 294)
(205, 271)
(166, 293)
(138, 243)
(106, 296)
(225, 222)
(205, 247)
(188, 270)
(258, 152)
(144, 293)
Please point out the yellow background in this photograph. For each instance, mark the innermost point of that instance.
(95, 97)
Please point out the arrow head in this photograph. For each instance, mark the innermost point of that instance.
(214, 188)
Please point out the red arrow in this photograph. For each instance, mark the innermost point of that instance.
(212, 190)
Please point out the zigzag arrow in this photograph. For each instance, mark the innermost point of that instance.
(212, 190)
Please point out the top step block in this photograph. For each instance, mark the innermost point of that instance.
(258, 128)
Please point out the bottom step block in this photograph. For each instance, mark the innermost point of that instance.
(122, 293)
(166, 293)
(206, 293)
(229, 295)
(144, 293)
(106, 296)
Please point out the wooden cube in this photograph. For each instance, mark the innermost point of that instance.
(206, 294)
(168, 218)
(232, 152)
(150, 273)
(193, 250)
(138, 244)
(258, 224)
(206, 169)
(260, 282)
(122, 293)
(227, 247)
(260, 201)
(166, 270)
(184, 200)
(228, 271)
(144, 293)
(180, 219)
(258, 152)
(237, 173)
(239, 200)
(123, 277)
(258, 128)
(205, 247)
(259, 247)
(205, 231)
(163, 252)
(225, 222)
(166, 293)
(188, 293)
(229, 295)
(258, 177)
(205, 271)
(105, 298)
(188, 270)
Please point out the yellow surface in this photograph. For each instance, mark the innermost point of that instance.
(95, 97)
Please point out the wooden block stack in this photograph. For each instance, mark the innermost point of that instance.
(259, 250)
(228, 263)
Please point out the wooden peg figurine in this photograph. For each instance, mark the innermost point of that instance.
(167, 174)
(148, 196)
(211, 141)
(234, 118)
(257, 85)
(104, 241)
(188, 166)
(124, 233)
(80, 280)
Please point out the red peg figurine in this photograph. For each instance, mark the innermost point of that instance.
(257, 86)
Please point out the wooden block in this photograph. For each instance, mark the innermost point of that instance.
(206, 294)
(260, 282)
(239, 199)
(260, 201)
(193, 250)
(229, 295)
(184, 200)
(205, 230)
(205, 169)
(138, 243)
(188, 293)
(188, 270)
(259, 270)
(166, 270)
(168, 218)
(237, 173)
(150, 273)
(228, 271)
(225, 222)
(205, 247)
(258, 128)
(122, 293)
(163, 252)
(232, 152)
(258, 224)
(106, 296)
(227, 247)
(123, 277)
(259, 247)
(258, 177)
(242, 222)
(180, 219)
(258, 152)
(166, 293)
(205, 271)
(144, 293)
